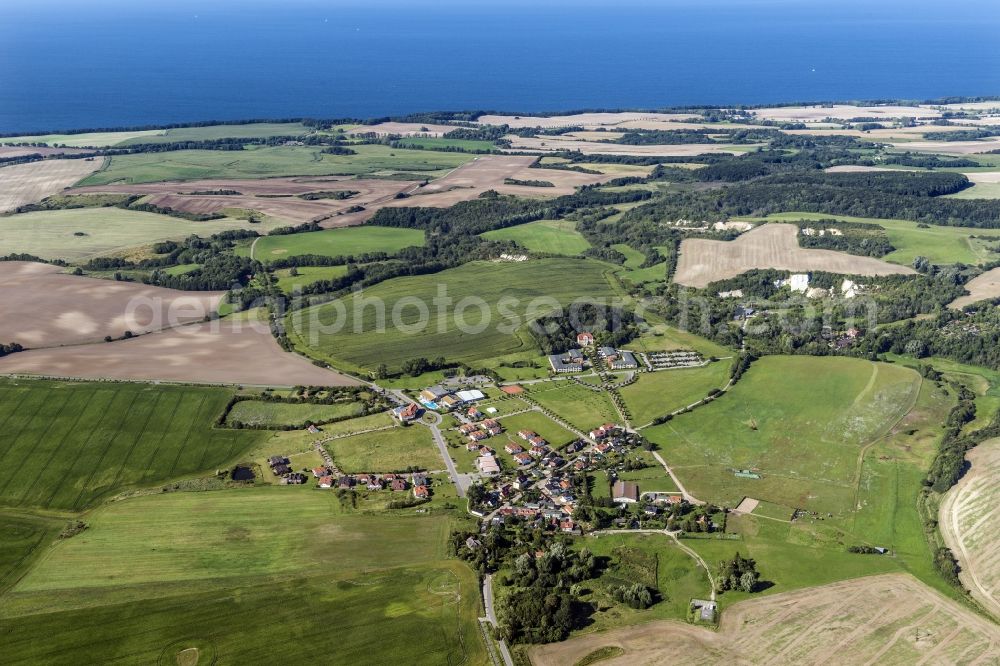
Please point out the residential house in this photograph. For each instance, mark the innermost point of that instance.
(326, 482)
(468, 428)
(281, 470)
(585, 339)
(295, 479)
(274, 461)
(433, 394)
(522, 458)
(398, 485)
(492, 426)
(407, 413)
(450, 401)
(513, 448)
(478, 436)
(526, 434)
(421, 492)
(345, 483)
(419, 479)
(474, 413)
(537, 441)
(602, 432)
(320, 472)
(567, 525)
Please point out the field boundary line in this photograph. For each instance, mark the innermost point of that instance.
(142, 433)
(187, 434)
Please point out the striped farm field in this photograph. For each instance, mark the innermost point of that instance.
(66, 445)
(970, 524)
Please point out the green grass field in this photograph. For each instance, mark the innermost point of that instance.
(549, 236)
(800, 422)
(580, 407)
(633, 267)
(361, 344)
(940, 244)
(546, 428)
(659, 393)
(306, 276)
(25, 537)
(335, 242)
(67, 445)
(279, 413)
(86, 139)
(212, 132)
(241, 573)
(52, 234)
(391, 450)
(434, 143)
(271, 161)
(978, 191)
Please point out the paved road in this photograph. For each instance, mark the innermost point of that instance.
(461, 481)
(491, 616)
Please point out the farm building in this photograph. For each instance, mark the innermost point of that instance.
(625, 492)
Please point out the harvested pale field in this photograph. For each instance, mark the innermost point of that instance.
(45, 151)
(217, 352)
(984, 176)
(43, 307)
(842, 112)
(951, 147)
(857, 168)
(992, 106)
(980, 288)
(488, 173)
(775, 246)
(907, 134)
(880, 619)
(585, 120)
(27, 183)
(551, 144)
(275, 197)
(403, 129)
(970, 524)
(690, 124)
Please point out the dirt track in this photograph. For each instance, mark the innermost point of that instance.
(775, 246)
(43, 307)
(28, 183)
(970, 524)
(219, 352)
(885, 619)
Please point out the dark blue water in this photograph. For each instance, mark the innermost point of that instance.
(93, 64)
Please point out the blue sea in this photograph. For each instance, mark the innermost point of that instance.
(103, 63)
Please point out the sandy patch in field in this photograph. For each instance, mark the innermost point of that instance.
(746, 505)
(857, 168)
(842, 112)
(951, 147)
(884, 619)
(550, 144)
(28, 183)
(983, 176)
(775, 246)
(970, 524)
(403, 129)
(218, 352)
(980, 288)
(42, 307)
(585, 120)
(275, 197)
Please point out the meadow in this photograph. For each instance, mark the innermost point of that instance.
(548, 236)
(580, 407)
(546, 428)
(236, 573)
(306, 276)
(272, 161)
(79, 233)
(659, 393)
(334, 242)
(390, 450)
(802, 423)
(940, 244)
(68, 445)
(213, 132)
(633, 266)
(361, 344)
(257, 412)
(437, 143)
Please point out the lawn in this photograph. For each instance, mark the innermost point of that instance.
(392, 450)
(306, 276)
(400, 319)
(800, 422)
(79, 233)
(257, 412)
(546, 428)
(67, 445)
(548, 236)
(235, 573)
(659, 393)
(272, 161)
(580, 407)
(940, 244)
(347, 241)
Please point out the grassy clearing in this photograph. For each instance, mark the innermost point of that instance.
(360, 345)
(984, 382)
(633, 267)
(68, 444)
(392, 450)
(256, 412)
(942, 245)
(650, 479)
(667, 338)
(800, 422)
(580, 407)
(546, 428)
(335, 242)
(212, 132)
(80, 233)
(434, 143)
(549, 236)
(978, 191)
(272, 161)
(306, 276)
(659, 393)
(235, 573)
